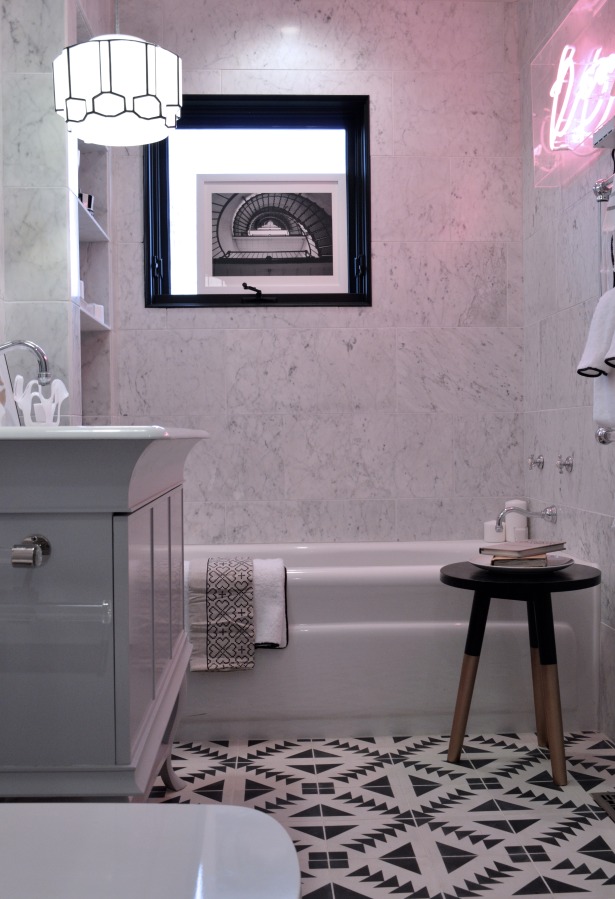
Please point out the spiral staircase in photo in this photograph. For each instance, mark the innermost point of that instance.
(269, 230)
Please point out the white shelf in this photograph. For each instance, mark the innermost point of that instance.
(89, 229)
(89, 323)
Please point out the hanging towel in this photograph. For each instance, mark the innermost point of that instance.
(610, 356)
(221, 614)
(270, 618)
(234, 606)
(600, 338)
(604, 401)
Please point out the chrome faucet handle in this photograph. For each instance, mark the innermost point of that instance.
(566, 464)
(536, 462)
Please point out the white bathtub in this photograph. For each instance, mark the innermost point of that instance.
(375, 648)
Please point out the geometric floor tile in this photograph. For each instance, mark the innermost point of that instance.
(388, 816)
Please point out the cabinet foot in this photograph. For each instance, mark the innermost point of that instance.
(170, 779)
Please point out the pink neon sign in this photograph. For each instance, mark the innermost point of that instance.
(573, 94)
(582, 97)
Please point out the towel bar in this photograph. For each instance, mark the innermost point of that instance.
(605, 435)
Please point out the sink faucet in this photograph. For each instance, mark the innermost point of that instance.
(549, 514)
(44, 375)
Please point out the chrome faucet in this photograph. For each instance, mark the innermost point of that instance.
(44, 375)
(549, 514)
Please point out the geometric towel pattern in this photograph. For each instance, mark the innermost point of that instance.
(221, 612)
(379, 817)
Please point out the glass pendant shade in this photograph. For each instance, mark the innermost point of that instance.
(117, 90)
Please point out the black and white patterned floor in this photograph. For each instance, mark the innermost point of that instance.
(389, 817)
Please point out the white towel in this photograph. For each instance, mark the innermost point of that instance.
(610, 356)
(604, 401)
(270, 623)
(269, 606)
(600, 338)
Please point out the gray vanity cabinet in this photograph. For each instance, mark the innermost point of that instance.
(152, 651)
(93, 649)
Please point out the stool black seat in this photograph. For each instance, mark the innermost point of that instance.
(534, 587)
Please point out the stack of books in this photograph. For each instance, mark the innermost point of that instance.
(520, 553)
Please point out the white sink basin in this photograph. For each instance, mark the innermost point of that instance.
(97, 432)
(81, 468)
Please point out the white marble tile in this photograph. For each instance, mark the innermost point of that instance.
(311, 521)
(300, 37)
(409, 198)
(343, 456)
(96, 374)
(514, 284)
(146, 20)
(447, 518)
(376, 85)
(127, 195)
(485, 199)
(201, 81)
(425, 34)
(129, 310)
(356, 370)
(160, 372)
(271, 371)
(440, 114)
(459, 370)
(204, 523)
(578, 256)
(36, 240)
(562, 339)
(531, 368)
(441, 283)
(540, 275)
(242, 460)
(33, 135)
(424, 455)
(32, 36)
(488, 455)
(273, 317)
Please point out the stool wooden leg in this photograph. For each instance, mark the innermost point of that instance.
(469, 667)
(545, 635)
(555, 730)
(539, 706)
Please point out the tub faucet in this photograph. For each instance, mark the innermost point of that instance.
(44, 375)
(549, 514)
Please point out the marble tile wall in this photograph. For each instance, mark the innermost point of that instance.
(39, 284)
(562, 286)
(402, 421)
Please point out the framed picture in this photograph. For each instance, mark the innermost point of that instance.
(267, 234)
(8, 409)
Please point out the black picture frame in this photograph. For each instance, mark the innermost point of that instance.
(348, 112)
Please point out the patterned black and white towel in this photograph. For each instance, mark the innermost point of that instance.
(221, 614)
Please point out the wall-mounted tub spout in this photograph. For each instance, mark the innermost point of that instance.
(605, 435)
(44, 375)
(548, 514)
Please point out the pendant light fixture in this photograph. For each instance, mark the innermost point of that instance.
(118, 90)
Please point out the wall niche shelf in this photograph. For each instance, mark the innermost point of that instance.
(89, 229)
(94, 243)
(89, 323)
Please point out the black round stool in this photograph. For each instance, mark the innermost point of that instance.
(534, 587)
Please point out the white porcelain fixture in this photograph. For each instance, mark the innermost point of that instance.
(133, 851)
